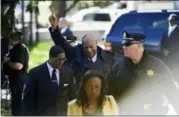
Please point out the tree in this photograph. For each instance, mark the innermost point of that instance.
(62, 7)
(33, 8)
(7, 15)
(102, 3)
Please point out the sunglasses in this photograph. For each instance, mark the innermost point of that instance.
(127, 42)
(61, 60)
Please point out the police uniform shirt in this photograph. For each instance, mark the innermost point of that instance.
(19, 54)
(152, 81)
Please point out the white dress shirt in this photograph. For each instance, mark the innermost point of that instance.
(170, 29)
(64, 29)
(50, 69)
(94, 58)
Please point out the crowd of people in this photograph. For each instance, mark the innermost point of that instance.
(88, 80)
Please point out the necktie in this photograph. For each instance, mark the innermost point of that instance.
(54, 78)
(90, 59)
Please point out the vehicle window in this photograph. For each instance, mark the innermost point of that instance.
(88, 17)
(128, 23)
(137, 22)
(102, 17)
(156, 21)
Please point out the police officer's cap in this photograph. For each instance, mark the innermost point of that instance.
(134, 36)
(16, 35)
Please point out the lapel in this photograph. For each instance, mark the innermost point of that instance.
(46, 73)
(62, 77)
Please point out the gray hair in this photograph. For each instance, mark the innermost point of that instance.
(62, 19)
(88, 36)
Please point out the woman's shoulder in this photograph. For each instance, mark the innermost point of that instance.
(109, 97)
(73, 102)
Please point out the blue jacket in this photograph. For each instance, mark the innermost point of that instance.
(68, 32)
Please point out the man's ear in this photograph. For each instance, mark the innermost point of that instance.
(50, 57)
(140, 45)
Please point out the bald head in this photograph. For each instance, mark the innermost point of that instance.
(89, 45)
(88, 37)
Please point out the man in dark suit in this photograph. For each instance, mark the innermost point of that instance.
(170, 45)
(85, 56)
(66, 31)
(49, 87)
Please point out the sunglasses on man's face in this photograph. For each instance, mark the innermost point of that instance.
(127, 42)
(60, 60)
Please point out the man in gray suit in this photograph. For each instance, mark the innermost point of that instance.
(170, 45)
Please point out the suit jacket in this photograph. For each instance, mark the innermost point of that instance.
(40, 95)
(109, 108)
(67, 32)
(77, 59)
(171, 44)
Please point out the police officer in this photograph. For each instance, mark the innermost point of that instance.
(142, 84)
(15, 66)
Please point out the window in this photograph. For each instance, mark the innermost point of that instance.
(138, 22)
(88, 17)
(97, 17)
(155, 21)
(130, 23)
(102, 17)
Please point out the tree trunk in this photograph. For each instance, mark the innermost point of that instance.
(31, 37)
(22, 21)
(37, 27)
(62, 8)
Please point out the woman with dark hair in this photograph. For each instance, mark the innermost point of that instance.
(92, 98)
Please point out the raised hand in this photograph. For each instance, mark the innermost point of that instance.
(53, 19)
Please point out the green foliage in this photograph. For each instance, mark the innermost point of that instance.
(83, 5)
(33, 5)
(39, 53)
(5, 112)
(96, 3)
(101, 3)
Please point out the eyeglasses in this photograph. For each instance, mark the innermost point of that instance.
(127, 42)
(61, 60)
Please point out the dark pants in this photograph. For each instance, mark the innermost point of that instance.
(16, 87)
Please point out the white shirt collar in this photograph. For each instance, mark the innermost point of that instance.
(171, 28)
(50, 69)
(64, 29)
(94, 58)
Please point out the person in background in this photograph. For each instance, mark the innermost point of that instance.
(170, 45)
(142, 84)
(49, 87)
(85, 56)
(4, 51)
(64, 28)
(92, 98)
(15, 66)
